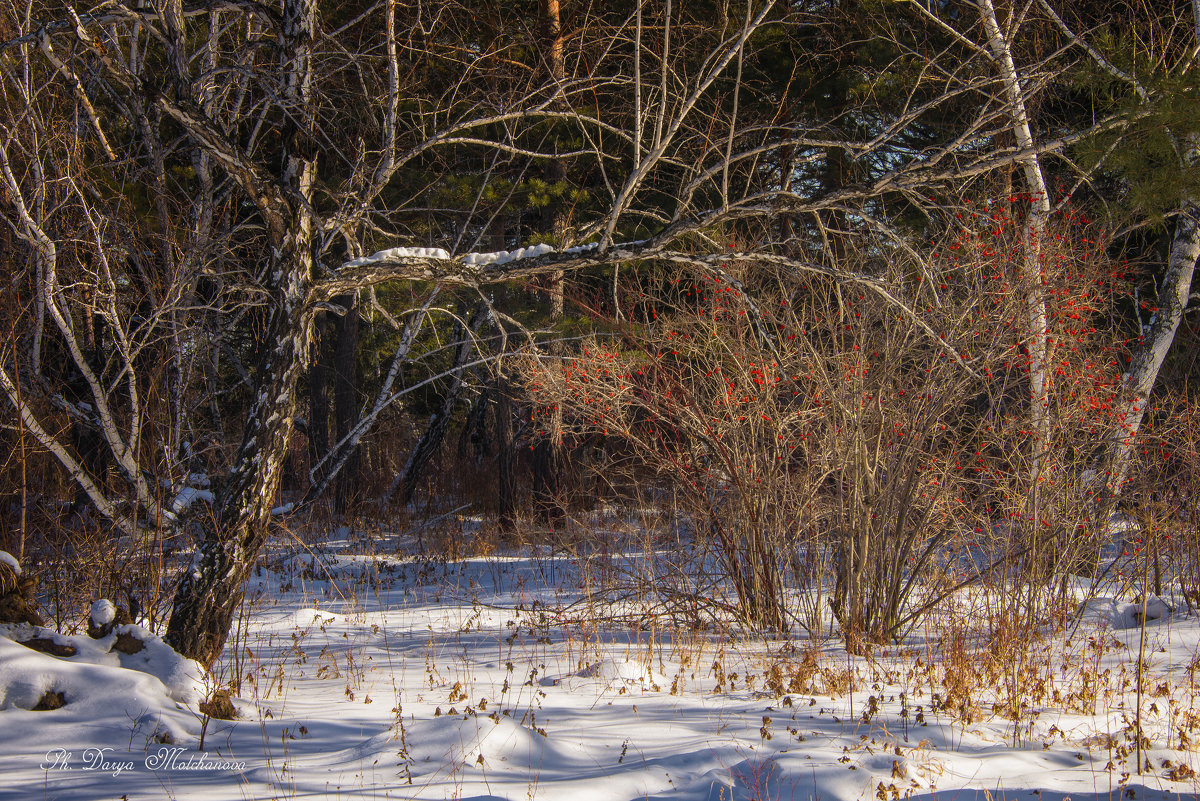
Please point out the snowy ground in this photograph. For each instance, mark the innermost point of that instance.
(504, 677)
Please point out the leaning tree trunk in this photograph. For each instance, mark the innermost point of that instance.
(431, 441)
(210, 591)
(1173, 293)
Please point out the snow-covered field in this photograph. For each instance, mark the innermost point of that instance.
(371, 675)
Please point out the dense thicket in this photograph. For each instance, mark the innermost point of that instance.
(997, 199)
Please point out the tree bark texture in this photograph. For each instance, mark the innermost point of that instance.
(210, 591)
(548, 458)
(1174, 289)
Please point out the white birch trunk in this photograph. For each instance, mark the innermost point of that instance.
(1173, 293)
(1138, 382)
(1034, 230)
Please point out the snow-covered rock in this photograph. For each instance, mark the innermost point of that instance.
(100, 686)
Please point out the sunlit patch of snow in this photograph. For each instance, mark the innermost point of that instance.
(188, 496)
(380, 670)
(398, 253)
(505, 256)
(104, 690)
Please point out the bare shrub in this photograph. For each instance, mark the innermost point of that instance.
(1162, 495)
(803, 425)
(876, 430)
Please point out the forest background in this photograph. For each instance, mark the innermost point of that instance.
(866, 296)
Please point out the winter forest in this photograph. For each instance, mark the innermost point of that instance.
(694, 400)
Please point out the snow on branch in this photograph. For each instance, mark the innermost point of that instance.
(471, 269)
(478, 269)
(470, 259)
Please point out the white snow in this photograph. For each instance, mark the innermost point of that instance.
(367, 674)
(398, 253)
(115, 701)
(189, 495)
(1122, 524)
(484, 258)
(1114, 614)
(505, 256)
(473, 259)
(10, 560)
(103, 612)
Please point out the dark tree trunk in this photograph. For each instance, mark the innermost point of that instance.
(506, 457)
(431, 441)
(547, 454)
(547, 482)
(211, 589)
(345, 400)
(318, 392)
(207, 598)
(474, 430)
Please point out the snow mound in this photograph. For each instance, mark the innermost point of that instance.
(103, 612)
(1114, 614)
(10, 560)
(480, 743)
(613, 673)
(184, 680)
(502, 740)
(152, 693)
(176, 677)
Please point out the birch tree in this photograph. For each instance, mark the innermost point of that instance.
(1175, 59)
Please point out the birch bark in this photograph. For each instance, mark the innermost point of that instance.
(1174, 290)
(1032, 233)
(210, 592)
